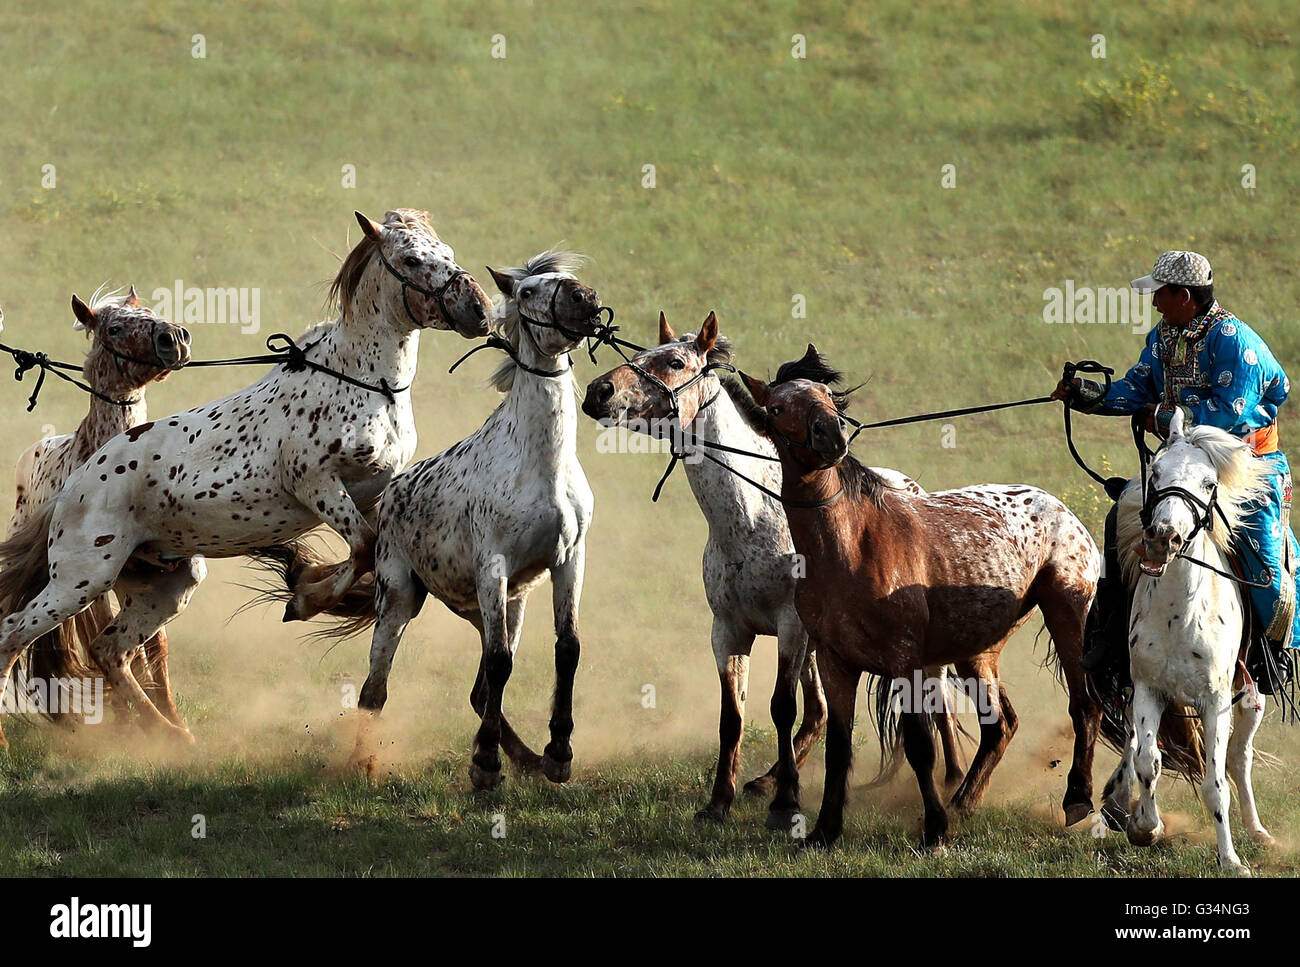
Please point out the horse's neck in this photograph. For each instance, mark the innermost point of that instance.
(369, 347)
(103, 422)
(840, 527)
(542, 408)
(723, 497)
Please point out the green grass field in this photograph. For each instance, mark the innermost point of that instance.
(776, 178)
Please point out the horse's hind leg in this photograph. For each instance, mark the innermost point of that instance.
(731, 647)
(1215, 718)
(1065, 612)
(998, 723)
(1117, 797)
(918, 744)
(1144, 826)
(147, 605)
(945, 722)
(566, 583)
(1246, 716)
(159, 688)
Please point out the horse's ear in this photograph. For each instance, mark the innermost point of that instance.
(666, 334)
(708, 334)
(373, 230)
(757, 388)
(505, 282)
(811, 355)
(131, 299)
(86, 318)
(1176, 424)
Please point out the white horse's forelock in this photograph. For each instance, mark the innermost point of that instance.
(1241, 477)
(105, 298)
(506, 310)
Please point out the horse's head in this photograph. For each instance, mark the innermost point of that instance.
(1199, 482)
(555, 311)
(659, 382)
(803, 411)
(415, 275)
(132, 346)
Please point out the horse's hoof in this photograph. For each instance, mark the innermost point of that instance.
(817, 840)
(1144, 837)
(290, 612)
(1235, 868)
(762, 786)
(1116, 818)
(709, 814)
(781, 820)
(1077, 812)
(1261, 837)
(362, 764)
(482, 779)
(556, 771)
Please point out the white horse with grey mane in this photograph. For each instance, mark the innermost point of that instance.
(481, 524)
(302, 446)
(1185, 632)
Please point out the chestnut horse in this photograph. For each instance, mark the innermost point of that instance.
(896, 584)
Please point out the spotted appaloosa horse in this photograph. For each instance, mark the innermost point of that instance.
(482, 523)
(1185, 630)
(898, 583)
(749, 562)
(263, 465)
(131, 348)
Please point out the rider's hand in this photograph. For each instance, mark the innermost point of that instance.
(1149, 418)
(1066, 389)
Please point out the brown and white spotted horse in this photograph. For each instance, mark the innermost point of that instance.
(896, 584)
(298, 448)
(130, 348)
(749, 563)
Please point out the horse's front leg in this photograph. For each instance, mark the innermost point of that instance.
(731, 647)
(1215, 717)
(792, 643)
(319, 589)
(498, 662)
(1144, 826)
(566, 593)
(1246, 716)
(841, 683)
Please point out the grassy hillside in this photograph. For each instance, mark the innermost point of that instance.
(778, 180)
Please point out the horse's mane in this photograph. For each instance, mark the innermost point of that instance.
(1242, 479)
(345, 283)
(857, 480)
(506, 310)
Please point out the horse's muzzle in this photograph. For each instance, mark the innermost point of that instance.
(596, 403)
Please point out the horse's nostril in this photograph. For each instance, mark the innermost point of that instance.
(186, 338)
(604, 391)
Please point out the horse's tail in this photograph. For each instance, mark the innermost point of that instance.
(286, 562)
(889, 732)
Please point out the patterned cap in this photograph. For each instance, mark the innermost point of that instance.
(1176, 268)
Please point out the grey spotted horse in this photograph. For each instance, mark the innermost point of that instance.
(304, 445)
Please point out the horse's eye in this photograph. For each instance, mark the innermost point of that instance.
(526, 293)
(115, 330)
(776, 410)
(411, 262)
(676, 364)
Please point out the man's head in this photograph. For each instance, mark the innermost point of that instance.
(1181, 286)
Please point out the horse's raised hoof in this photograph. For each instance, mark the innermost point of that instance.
(1144, 837)
(711, 814)
(1261, 837)
(1116, 818)
(1077, 812)
(762, 786)
(291, 611)
(781, 820)
(482, 779)
(556, 771)
(362, 763)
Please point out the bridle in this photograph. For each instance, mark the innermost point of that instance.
(439, 294)
(1203, 511)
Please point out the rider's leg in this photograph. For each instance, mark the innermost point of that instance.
(1271, 558)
